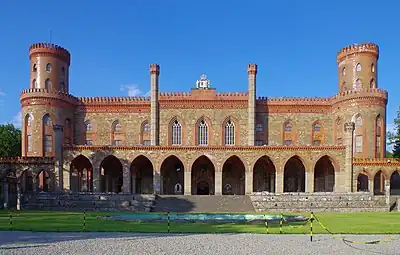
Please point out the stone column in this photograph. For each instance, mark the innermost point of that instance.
(126, 181)
(249, 183)
(18, 196)
(133, 183)
(58, 156)
(156, 183)
(96, 176)
(387, 192)
(348, 164)
(5, 192)
(187, 183)
(218, 182)
(251, 111)
(154, 106)
(371, 186)
(310, 182)
(279, 182)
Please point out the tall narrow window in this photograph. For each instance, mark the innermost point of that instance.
(29, 142)
(29, 121)
(147, 127)
(287, 133)
(47, 120)
(34, 68)
(34, 84)
(89, 126)
(48, 68)
(358, 146)
(176, 133)
(372, 84)
(118, 137)
(316, 134)
(229, 133)
(372, 68)
(357, 84)
(48, 143)
(358, 67)
(47, 84)
(259, 127)
(378, 130)
(358, 143)
(203, 133)
(339, 128)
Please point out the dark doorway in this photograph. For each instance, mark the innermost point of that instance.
(324, 175)
(233, 177)
(294, 175)
(203, 188)
(203, 171)
(172, 173)
(142, 171)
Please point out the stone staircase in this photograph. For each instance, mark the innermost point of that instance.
(194, 203)
(319, 202)
(87, 202)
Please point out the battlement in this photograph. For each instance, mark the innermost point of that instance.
(376, 161)
(295, 100)
(113, 100)
(49, 49)
(26, 160)
(367, 92)
(252, 69)
(47, 91)
(358, 48)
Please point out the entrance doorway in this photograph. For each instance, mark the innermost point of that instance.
(203, 188)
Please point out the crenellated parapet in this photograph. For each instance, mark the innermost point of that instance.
(368, 48)
(114, 100)
(370, 96)
(49, 49)
(377, 162)
(44, 96)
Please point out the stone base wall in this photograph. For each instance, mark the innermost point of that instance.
(88, 202)
(319, 202)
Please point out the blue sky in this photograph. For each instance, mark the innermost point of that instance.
(112, 44)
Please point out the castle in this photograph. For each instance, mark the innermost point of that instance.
(202, 142)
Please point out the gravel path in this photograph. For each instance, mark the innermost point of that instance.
(214, 244)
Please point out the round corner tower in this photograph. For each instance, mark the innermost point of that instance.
(47, 101)
(360, 101)
(357, 66)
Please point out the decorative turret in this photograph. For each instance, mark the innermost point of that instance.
(203, 83)
(357, 66)
(49, 67)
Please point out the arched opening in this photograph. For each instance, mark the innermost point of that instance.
(362, 182)
(395, 183)
(142, 176)
(233, 177)
(324, 175)
(203, 176)
(26, 181)
(43, 181)
(379, 183)
(172, 176)
(81, 175)
(294, 177)
(111, 175)
(264, 175)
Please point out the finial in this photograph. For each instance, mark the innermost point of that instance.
(203, 83)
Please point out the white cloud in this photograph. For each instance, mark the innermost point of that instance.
(17, 120)
(133, 90)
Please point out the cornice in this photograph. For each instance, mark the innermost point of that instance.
(389, 162)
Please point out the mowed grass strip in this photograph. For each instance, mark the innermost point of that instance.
(340, 223)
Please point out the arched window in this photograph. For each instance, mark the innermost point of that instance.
(117, 136)
(29, 120)
(146, 127)
(117, 127)
(259, 127)
(176, 133)
(357, 84)
(34, 84)
(229, 133)
(372, 84)
(47, 84)
(344, 71)
(358, 144)
(48, 67)
(287, 133)
(203, 133)
(378, 131)
(89, 126)
(358, 67)
(372, 68)
(359, 122)
(47, 120)
(34, 68)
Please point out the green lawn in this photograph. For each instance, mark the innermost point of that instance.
(341, 223)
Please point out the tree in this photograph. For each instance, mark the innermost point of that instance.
(394, 137)
(10, 141)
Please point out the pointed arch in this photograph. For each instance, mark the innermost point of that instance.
(145, 133)
(90, 132)
(203, 176)
(111, 175)
(117, 133)
(395, 183)
(142, 175)
(230, 131)
(358, 147)
(28, 128)
(44, 181)
(203, 131)
(81, 174)
(324, 175)
(379, 183)
(48, 84)
(48, 135)
(294, 175)
(317, 133)
(172, 175)
(26, 181)
(233, 176)
(264, 174)
(372, 84)
(288, 133)
(176, 132)
(362, 182)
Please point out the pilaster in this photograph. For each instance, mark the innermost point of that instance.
(371, 186)
(279, 182)
(348, 164)
(249, 183)
(59, 158)
(187, 183)
(156, 182)
(218, 183)
(309, 181)
(387, 191)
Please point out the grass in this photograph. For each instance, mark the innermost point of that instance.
(340, 223)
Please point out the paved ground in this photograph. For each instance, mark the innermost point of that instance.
(214, 244)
